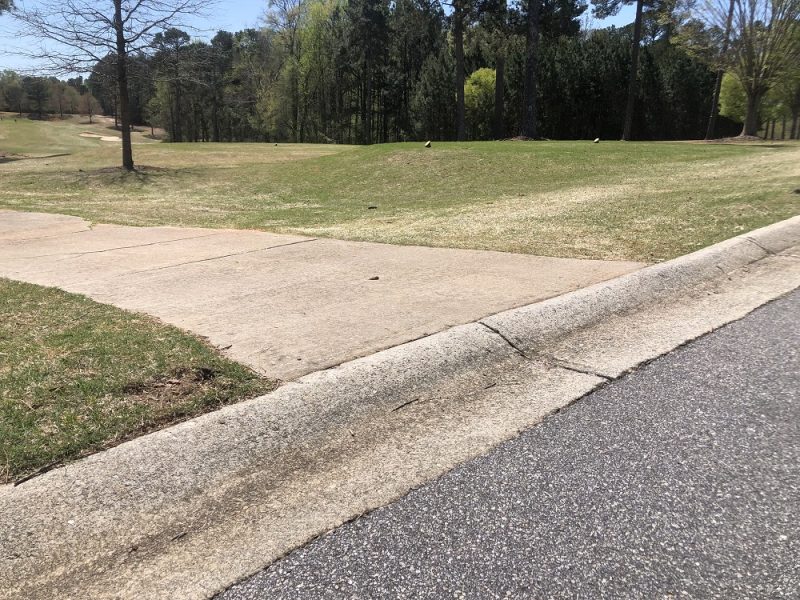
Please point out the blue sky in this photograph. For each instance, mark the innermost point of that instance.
(230, 15)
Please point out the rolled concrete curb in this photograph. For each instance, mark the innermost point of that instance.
(533, 327)
(188, 510)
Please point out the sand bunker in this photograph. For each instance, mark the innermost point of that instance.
(97, 136)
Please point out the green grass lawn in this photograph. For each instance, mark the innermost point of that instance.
(643, 201)
(77, 376)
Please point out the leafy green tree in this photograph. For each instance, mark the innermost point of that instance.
(732, 98)
(720, 58)
(529, 127)
(71, 100)
(479, 102)
(433, 105)
(171, 62)
(37, 90)
(367, 51)
(58, 97)
(461, 10)
(497, 21)
(415, 32)
(763, 44)
(787, 93)
(363, 71)
(221, 63)
(607, 8)
(256, 60)
(561, 18)
(285, 17)
(12, 94)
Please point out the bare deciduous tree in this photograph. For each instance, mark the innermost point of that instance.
(89, 106)
(75, 35)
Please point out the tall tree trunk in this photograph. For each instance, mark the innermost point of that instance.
(499, 96)
(712, 119)
(530, 86)
(215, 119)
(366, 99)
(632, 78)
(178, 123)
(751, 116)
(172, 117)
(795, 133)
(122, 81)
(783, 127)
(368, 105)
(458, 40)
(294, 82)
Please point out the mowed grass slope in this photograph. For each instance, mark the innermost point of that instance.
(77, 376)
(642, 201)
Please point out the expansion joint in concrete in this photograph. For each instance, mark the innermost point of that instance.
(213, 258)
(115, 248)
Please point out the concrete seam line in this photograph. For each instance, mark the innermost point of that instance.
(223, 256)
(131, 247)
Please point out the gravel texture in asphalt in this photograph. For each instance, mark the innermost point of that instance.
(680, 480)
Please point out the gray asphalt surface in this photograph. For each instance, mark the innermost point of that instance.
(680, 480)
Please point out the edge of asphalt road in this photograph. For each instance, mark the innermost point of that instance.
(189, 510)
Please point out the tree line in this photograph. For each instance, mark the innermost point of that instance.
(40, 96)
(367, 71)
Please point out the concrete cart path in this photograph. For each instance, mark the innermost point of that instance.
(285, 305)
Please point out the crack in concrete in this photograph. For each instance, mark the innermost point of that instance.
(516, 348)
(404, 404)
(202, 260)
(21, 241)
(724, 272)
(756, 243)
(577, 368)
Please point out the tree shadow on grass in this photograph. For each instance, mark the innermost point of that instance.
(8, 158)
(142, 174)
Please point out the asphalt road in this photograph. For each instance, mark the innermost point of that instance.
(680, 480)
